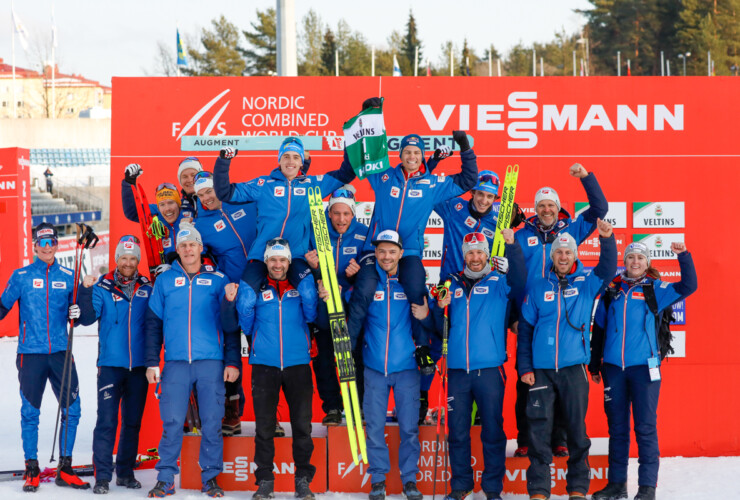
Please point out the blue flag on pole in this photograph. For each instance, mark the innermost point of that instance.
(181, 59)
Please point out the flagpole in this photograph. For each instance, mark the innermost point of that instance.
(12, 9)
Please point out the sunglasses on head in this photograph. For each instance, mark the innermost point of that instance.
(277, 241)
(166, 185)
(47, 242)
(203, 175)
(130, 238)
(474, 238)
(190, 158)
(343, 193)
(488, 178)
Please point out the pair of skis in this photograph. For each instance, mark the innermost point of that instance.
(442, 396)
(505, 210)
(152, 231)
(338, 327)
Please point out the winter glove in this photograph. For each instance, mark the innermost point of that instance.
(461, 138)
(424, 360)
(517, 216)
(228, 153)
(132, 171)
(442, 153)
(373, 102)
(161, 268)
(500, 264)
(73, 312)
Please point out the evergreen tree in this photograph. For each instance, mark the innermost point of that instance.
(409, 46)
(328, 49)
(261, 57)
(354, 52)
(518, 61)
(311, 43)
(468, 60)
(221, 52)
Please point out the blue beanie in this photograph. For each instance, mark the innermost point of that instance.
(412, 140)
(291, 144)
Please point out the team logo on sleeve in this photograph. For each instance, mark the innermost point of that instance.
(267, 295)
(279, 191)
(238, 214)
(116, 298)
(37, 283)
(142, 293)
(385, 177)
(480, 290)
(458, 207)
(532, 241)
(579, 278)
(59, 285)
(292, 293)
(220, 225)
(299, 191)
(203, 281)
(424, 181)
(415, 193)
(638, 295)
(399, 296)
(570, 292)
(261, 182)
(489, 234)
(349, 251)
(458, 293)
(470, 222)
(180, 281)
(395, 191)
(379, 295)
(360, 237)
(549, 296)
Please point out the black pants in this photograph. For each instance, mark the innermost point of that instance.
(558, 437)
(325, 369)
(297, 385)
(569, 387)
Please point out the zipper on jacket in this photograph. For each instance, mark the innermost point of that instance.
(467, 333)
(287, 213)
(557, 334)
(190, 314)
(280, 320)
(130, 357)
(403, 197)
(48, 335)
(387, 321)
(336, 261)
(235, 232)
(544, 258)
(624, 325)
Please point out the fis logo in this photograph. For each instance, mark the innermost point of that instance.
(194, 121)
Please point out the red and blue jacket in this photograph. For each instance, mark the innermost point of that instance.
(630, 336)
(404, 204)
(184, 314)
(129, 210)
(121, 320)
(555, 322)
(44, 294)
(536, 243)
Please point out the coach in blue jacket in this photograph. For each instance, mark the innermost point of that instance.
(478, 300)
(119, 301)
(277, 319)
(552, 353)
(44, 291)
(184, 314)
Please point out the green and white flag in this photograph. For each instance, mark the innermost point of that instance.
(366, 142)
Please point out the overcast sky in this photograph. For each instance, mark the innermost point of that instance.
(104, 38)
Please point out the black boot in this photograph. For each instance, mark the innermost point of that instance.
(265, 490)
(31, 476)
(411, 492)
(101, 487)
(212, 489)
(333, 417)
(612, 491)
(129, 482)
(302, 490)
(378, 491)
(645, 493)
(66, 475)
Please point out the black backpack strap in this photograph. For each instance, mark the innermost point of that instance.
(598, 334)
(652, 302)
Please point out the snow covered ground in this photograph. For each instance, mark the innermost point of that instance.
(680, 478)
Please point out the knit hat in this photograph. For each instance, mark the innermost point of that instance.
(291, 144)
(388, 236)
(277, 247)
(187, 163)
(188, 232)
(637, 247)
(45, 230)
(546, 193)
(203, 180)
(564, 240)
(476, 241)
(346, 195)
(411, 140)
(488, 182)
(168, 191)
(128, 245)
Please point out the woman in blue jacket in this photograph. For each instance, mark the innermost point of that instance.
(626, 338)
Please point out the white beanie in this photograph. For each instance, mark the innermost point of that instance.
(564, 240)
(187, 163)
(277, 247)
(350, 202)
(203, 182)
(546, 193)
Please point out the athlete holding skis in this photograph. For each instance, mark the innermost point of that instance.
(478, 301)
(47, 286)
(119, 301)
(277, 318)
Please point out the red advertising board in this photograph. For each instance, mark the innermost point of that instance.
(15, 219)
(651, 142)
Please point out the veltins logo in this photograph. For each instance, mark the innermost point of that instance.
(368, 210)
(659, 245)
(658, 210)
(194, 121)
(426, 241)
(658, 242)
(658, 214)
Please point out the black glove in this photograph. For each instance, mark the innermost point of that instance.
(132, 171)
(228, 153)
(424, 360)
(461, 138)
(517, 216)
(442, 152)
(373, 102)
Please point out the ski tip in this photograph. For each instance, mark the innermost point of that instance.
(515, 168)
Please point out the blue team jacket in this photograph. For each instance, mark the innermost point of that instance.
(121, 326)
(555, 322)
(405, 205)
(129, 210)
(629, 326)
(44, 294)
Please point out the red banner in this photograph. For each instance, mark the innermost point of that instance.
(663, 149)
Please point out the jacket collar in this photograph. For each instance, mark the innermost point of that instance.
(277, 174)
